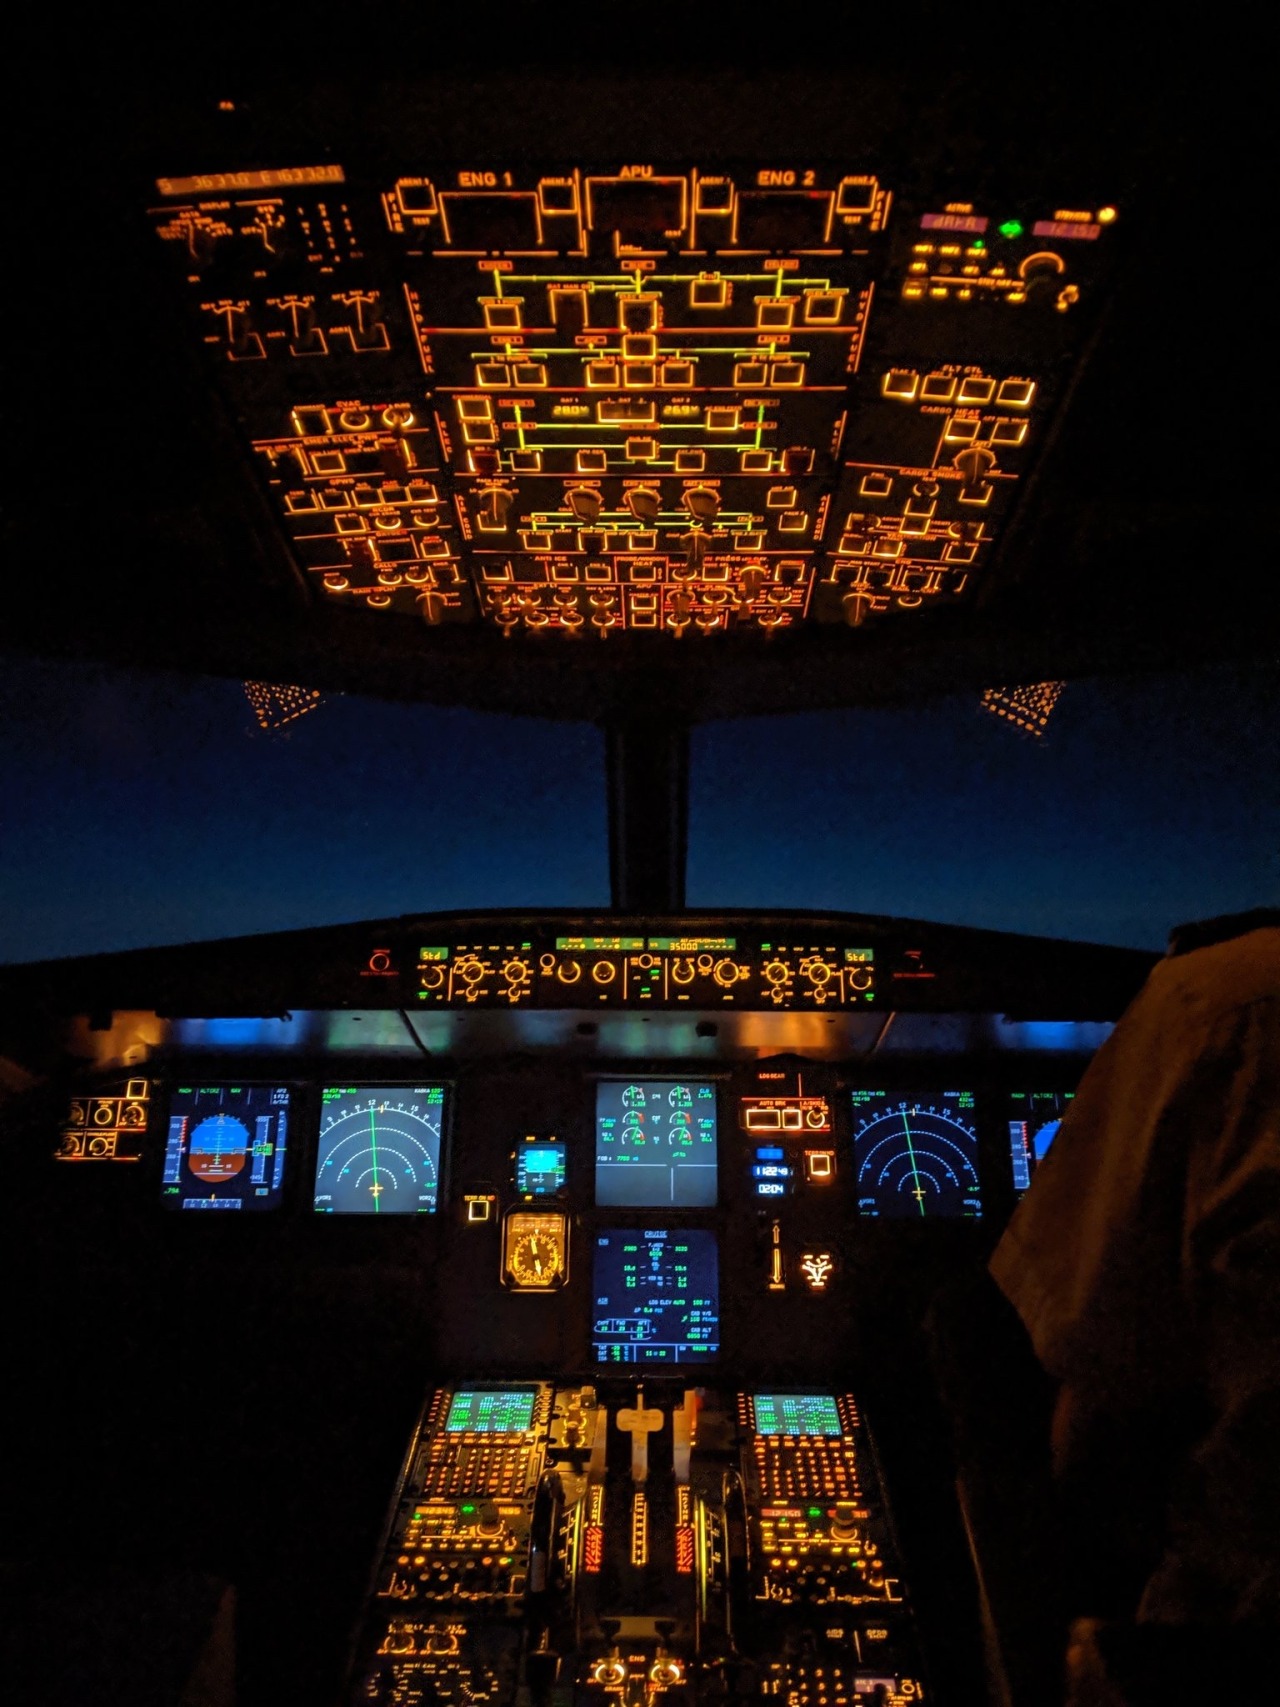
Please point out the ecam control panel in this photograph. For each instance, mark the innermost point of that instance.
(663, 397)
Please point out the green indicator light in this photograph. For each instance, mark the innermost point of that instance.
(1011, 228)
(978, 243)
(815, 1511)
(466, 1509)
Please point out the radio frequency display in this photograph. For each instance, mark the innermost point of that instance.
(656, 1144)
(225, 1147)
(916, 1154)
(656, 1297)
(379, 1150)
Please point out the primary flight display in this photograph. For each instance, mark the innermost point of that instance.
(226, 1146)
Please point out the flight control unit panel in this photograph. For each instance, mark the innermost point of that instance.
(635, 396)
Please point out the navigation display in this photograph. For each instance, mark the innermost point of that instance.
(505, 1410)
(916, 1154)
(1034, 1119)
(656, 1144)
(379, 1150)
(796, 1413)
(225, 1146)
(656, 1297)
(540, 1166)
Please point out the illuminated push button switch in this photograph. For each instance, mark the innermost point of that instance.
(938, 388)
(977, 388)
(901, 384)
(1016, 393)
(1008, 432)
(819, 1166)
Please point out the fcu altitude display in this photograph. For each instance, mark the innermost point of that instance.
(656, 1297)
(226, 1146)
(379, 1150)
(656, 1144)
(916, 1154)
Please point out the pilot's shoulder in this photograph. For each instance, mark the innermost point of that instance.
(1224, 975)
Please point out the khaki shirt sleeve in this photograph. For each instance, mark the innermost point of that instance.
(1145, 1261)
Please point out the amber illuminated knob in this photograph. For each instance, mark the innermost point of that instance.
(844, 1525)
(702, 503)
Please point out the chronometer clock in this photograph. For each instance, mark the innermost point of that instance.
(535, 1251)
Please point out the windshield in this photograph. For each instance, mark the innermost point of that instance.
(145, 808)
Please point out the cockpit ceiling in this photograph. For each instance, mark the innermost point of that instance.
(826, 397)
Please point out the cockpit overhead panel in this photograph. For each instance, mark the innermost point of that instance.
(597, 397)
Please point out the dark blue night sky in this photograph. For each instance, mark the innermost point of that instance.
(1149, 801)
(147, 809)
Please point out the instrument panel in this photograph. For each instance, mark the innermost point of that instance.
(639, 1251)
(837, 1145)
